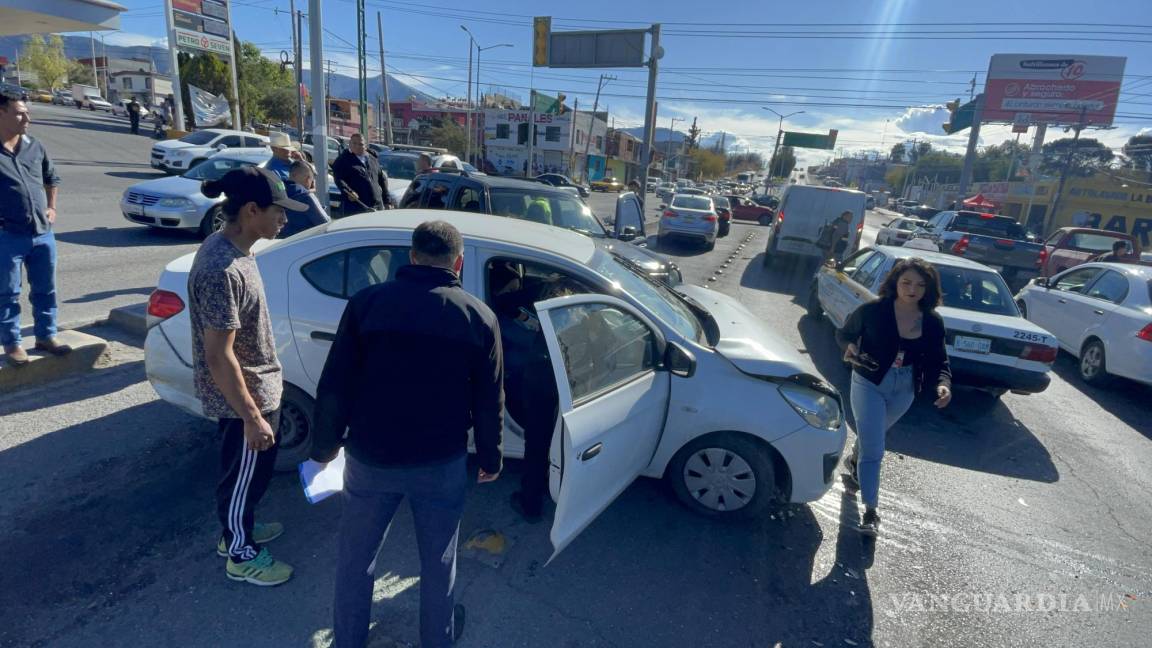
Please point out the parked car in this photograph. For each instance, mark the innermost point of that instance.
(308, 148)
(1101, 313)
(990, 345)
(767, 200)
(922, 212)
(689, 216)
(665, 191)
(558, 180)
(903, 206)
(996, 241)
(1068, 247)
(724, 213)
(804, 210)
(120, 109)
(12, 88)
(764, 428)
(176, 202)
(514, 198)
(651, 184)
(178, 155)
(62, 97)
(748, 210)
(401, 165)
(607, 184)
(898, 231)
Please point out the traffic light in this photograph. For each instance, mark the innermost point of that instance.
(541, 29)
(953, 107)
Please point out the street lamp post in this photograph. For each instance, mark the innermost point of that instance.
(668, 147)
(479, 98)
(779, 134)
(479, 51)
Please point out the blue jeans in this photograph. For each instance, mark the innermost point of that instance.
(371, 496)
(877, 408)
(38, 255)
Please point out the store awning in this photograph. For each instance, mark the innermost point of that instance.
(18, 17)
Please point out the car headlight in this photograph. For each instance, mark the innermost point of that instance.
(175, 202)
(817, 408)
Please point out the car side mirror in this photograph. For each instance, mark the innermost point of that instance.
(679, 361)
(627, 234)
(1041, 281)
(221, 147)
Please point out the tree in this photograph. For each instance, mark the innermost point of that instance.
(447, 134)
(693, 137)
(750, 161)
(895, 177)
(920, 150)
(939, 166)
(1082, 157)
(994, 162)
(280, 105)
(897, 154)
(783, 163)
(258, 78)
(708, 164)
(1138, 152)
(46, 59)
(80, 73)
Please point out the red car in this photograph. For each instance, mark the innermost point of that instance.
(744, 209)
(1071, 246)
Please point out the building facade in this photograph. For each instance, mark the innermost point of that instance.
(559, 146)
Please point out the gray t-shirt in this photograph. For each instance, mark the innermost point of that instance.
(225, 293)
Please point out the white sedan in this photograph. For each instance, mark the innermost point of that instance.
(683, 384)
(1099, 312)
(175, 202)
(898, 231)
(990, 346)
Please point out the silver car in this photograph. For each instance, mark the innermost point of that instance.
(690, 216)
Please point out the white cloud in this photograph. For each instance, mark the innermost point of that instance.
(922, 119)
(128, 39)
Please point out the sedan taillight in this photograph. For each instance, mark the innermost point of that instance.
(1145, 333)
(1039, 353)
(711, 218)
(961, 246)
(164, 304)
(669, 214)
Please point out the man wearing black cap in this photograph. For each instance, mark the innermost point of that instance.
(237, 375)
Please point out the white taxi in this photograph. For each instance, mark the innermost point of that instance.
(990, 345)
(683, 384)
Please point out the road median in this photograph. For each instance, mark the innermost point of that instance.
(88, 352)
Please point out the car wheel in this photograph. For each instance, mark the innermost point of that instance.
(295, 432)
(813, 306)
(710, 245)
(764, 220)
(724, 229)
(212, 222)
(1023, 308)
(724, 475)
(1093, 367)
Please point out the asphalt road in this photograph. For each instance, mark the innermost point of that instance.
(994, 512)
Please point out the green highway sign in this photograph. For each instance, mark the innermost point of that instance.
(811, 140)
(959, 116)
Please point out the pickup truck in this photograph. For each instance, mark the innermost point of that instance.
(993, 240)
(1071, 246)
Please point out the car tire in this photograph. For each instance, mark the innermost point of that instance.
(1093, 365)
(295, 432)
(709, 245)
(212, 222)
(764, 220)
(815, 310)
(723, 231)
(749, 476)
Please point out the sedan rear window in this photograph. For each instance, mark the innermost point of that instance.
(721, 202)
(692, 202)
(975, 290)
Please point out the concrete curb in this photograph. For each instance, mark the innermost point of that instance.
(132, 319)
(88, 352)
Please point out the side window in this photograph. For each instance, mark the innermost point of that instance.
(438, 194)
(602, 347)
(253, 142)
(469, 199)
(867, 272)
(415, 191)
(854, 261)
(345, 273)
(1111, 286)
(1075, 280)
(232, 141)
(1054, 239)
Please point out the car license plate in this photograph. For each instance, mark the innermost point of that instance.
(973, 345)
(134, 210)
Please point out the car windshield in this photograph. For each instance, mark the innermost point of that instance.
(214, 168)
(199, 138)
(987, 225)
(721, 202)
(692, 202)
(975, 290)
(399, 167)
(545, 206)
(656, 297)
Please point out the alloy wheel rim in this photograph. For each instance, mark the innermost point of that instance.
(1090, 363)
(218, 221)
(719, 479)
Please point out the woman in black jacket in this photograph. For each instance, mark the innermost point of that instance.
(896, 348)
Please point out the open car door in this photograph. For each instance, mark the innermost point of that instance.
(613, 401)
(629, 223)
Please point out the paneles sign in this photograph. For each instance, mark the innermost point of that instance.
(1053, 89)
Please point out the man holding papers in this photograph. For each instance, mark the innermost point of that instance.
(416, 362)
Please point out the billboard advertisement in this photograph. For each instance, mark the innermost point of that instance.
(1052, 89)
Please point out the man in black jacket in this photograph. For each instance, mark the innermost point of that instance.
(416, 363)
(363, 185)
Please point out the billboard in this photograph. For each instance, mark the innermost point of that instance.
(811, 140)
(1053, 89)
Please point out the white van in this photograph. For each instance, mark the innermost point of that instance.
(804, 210)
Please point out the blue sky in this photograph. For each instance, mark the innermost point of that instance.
(724, 60)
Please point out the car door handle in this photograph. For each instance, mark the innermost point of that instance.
(1098, 312)
(324, 336)
(1062, 301)
(591, 453)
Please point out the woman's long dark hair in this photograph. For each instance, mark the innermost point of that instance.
(927, 272)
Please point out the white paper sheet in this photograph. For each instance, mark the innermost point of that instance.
(322, 480)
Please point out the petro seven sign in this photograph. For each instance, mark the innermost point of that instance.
(202, 41)
(1053, 89)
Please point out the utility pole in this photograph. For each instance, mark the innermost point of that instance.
(1067, 165)
(384, 82)
(297, 36)
(970, 154)
(92, 43)
(362, 67)
(668, 147)
(468, 115)
(319, 100)
(650, 111)
(531, 132)
(177, 92)
(604, 78)
(972, 88)
(235, 67)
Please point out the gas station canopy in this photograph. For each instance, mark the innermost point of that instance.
(53, 16)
